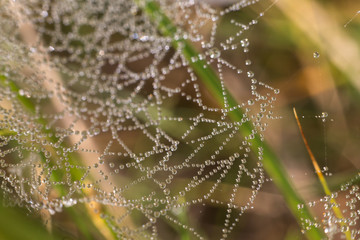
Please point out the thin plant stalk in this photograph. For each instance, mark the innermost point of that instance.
(335, 206)
(271, 163)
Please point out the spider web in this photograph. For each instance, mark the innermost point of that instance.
(116, 115)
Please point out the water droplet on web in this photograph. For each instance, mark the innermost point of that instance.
(96, 131)
(144, 38)
(245, 42)
(51, 211)
(316, 54)
(250, 74)
(69, 202)
(214, 53)
(44, 14)
(166, 191)
(47, 154)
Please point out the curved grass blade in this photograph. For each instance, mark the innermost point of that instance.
(271, 163)
(335, 206)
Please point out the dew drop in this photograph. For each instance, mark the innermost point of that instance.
(214, 53)
(245, 42)
(51, 211)
(316, 54)
(250, 74)
(44, 14)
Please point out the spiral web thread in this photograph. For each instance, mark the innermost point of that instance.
(98, 107)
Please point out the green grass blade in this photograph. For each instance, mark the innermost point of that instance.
(337, 211)
(271, 163)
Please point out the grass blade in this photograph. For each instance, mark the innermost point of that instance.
(271, 163)
(323, 182)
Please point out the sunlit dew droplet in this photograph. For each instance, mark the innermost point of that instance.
(316, 54)
(250, 74)
(47, 154)
(166, 191)
(324, 114)
(214, 53)
(51, 211)
(144, 38)
(69, 202)
(44, 14)
(96, 131)
(245, 42)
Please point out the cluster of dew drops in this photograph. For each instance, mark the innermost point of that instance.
(96, 106)
(346, 200)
